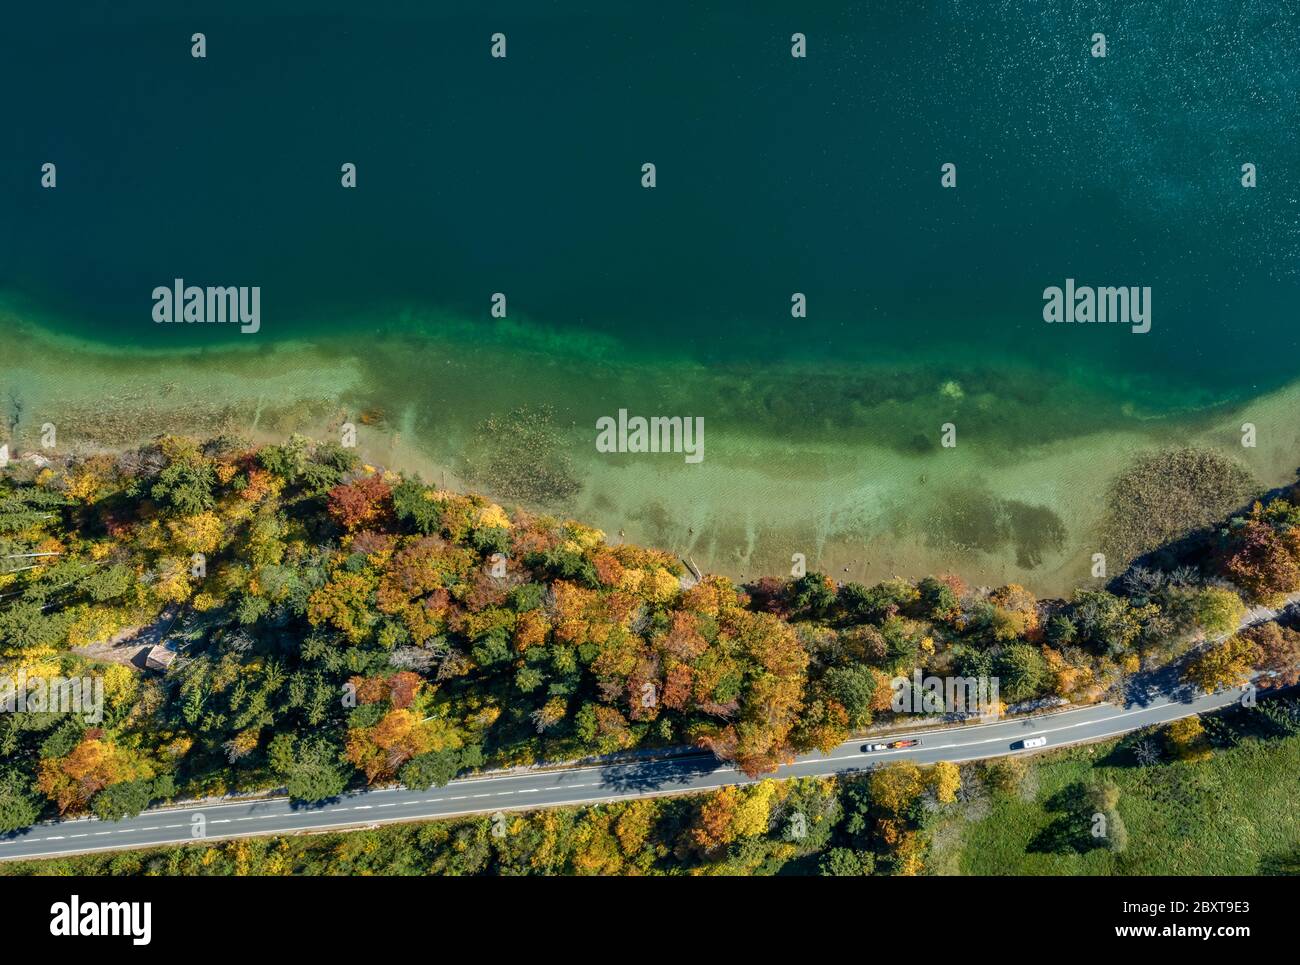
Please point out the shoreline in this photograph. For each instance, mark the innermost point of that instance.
(840, 473)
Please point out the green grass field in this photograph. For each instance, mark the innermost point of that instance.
(1237, 813)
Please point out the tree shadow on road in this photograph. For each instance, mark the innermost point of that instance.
(669, 775)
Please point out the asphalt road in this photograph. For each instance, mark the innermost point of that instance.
(582, 785)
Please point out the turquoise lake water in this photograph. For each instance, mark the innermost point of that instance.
(775, 175)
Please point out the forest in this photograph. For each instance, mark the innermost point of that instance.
(335, 625)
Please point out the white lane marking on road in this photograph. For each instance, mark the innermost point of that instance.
(155, 844)
(386, 805)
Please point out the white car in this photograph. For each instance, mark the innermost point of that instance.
(1029, 742)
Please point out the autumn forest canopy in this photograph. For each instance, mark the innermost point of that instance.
(336, 625)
